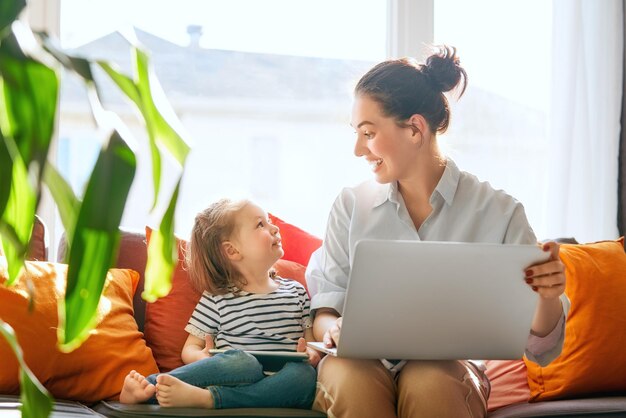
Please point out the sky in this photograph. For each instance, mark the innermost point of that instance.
(352, 29)
(504, 45)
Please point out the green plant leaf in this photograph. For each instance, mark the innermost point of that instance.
(28, 102)
(95, 240)
(6, 173)
(162, 255)
(63, 195)
(36, 401)
(128, 86)
(29, 98)
(18, 216)
(9, 11)
(155, 107)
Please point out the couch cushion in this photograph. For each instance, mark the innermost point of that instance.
(9, 407)
(118, 410)
(593, 358)
(297, 243)
(96, 369)
(38, 245)
(577, 408)
(509, 384)
(132, 255)
(167, 317)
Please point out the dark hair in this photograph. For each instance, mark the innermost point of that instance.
(403, 87)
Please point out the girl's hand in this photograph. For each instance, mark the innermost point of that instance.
(331, 337)
(548, 278)
(208, 346)
(314, 356)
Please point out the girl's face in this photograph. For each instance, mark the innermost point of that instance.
(257, 239)
(388, 148)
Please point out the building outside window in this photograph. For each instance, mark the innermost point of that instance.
(265, 95)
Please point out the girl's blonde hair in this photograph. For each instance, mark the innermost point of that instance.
(209, 268)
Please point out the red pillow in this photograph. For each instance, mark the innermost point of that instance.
(509, 383)
(298, 244)
(167, 317)
(291, 270)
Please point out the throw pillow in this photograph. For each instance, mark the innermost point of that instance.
(291, 270)
(96, 369)
(509, 384)
(297, 243)
(167, 317)
(592, 360)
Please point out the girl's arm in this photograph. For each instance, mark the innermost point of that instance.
(196, 348)
(314, 355)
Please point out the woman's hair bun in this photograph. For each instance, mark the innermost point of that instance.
(443, 70)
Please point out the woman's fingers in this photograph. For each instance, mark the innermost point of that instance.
(331, 337)
(548, 278)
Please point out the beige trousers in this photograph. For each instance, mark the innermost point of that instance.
(365, 388)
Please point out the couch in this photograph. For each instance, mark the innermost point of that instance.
(132, 256)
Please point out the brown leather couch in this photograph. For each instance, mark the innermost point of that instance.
(132, 255)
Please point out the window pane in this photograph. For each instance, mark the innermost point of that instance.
(262, 88)
(499, 127)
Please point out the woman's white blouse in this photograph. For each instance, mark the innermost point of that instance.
(464, 210)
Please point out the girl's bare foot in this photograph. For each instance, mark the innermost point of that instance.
(136, 389)
(174, 392)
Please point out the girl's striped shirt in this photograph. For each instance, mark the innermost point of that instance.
(253, 321)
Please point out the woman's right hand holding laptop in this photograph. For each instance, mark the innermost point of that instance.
(327, 325)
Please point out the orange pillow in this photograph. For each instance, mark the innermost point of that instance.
(167, 317)
(96, 369)
(509, 384)
(593, 359)
(297, 244)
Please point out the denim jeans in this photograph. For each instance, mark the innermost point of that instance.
(236, 380)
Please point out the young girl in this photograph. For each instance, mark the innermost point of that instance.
(243, 307)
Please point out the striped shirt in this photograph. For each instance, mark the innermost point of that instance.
(254, 321)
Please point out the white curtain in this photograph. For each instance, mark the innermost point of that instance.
(588, 42)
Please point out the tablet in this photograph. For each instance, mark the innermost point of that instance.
(272, 361)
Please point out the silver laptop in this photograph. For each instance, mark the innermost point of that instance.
(438, 300)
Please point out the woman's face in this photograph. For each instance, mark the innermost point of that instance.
(388, 148)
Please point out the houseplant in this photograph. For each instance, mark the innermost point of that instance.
(30, 65)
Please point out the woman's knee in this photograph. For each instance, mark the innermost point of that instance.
(337, 376)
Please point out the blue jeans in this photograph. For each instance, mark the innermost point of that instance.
(236, 380)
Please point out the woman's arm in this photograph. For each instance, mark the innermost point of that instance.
(548, 281)
(327, 326)
(196, 348)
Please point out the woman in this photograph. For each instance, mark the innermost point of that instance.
(419, 194)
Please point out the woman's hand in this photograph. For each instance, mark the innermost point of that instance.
(331, 336)
(548, 278)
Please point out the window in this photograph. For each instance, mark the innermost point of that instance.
(264, 96)
(499, 127)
